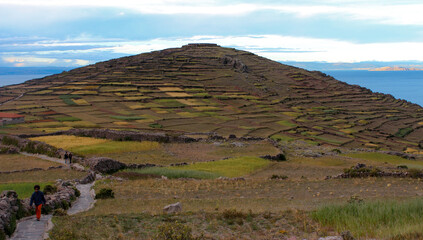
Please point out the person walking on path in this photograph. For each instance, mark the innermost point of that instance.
(70, 158)
(66, 157)
(38, 199)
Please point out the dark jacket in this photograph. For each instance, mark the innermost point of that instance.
(37, 198)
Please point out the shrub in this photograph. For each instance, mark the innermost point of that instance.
(59, 212)
(274, 176)
(233, 216)
(156, 125)
(65, 205)
(175, 231)
(105, 193)
(336, 151)
(402, 167)
(362, 172)
(77, 192)
(10, 141)
(415, 173)
(49, 189)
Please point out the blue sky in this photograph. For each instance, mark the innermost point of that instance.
(35, 33)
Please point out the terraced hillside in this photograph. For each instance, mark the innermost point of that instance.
(203, 89)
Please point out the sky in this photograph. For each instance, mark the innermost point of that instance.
(45, 33)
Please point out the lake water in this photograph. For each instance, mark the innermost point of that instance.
(407, 85)
(15, 79)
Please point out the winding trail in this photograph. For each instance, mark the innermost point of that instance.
(45, 157)
(30, 229)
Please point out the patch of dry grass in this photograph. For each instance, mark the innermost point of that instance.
(41, 176)
(11, 162)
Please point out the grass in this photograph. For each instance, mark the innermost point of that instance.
(404, 132)
(127, 118)
(382, 158)
(24, 190)
(176, 173)
(41, 176)
(381, 219)
(67, 119)
(286, 123)
(233, 167)
(11, 162)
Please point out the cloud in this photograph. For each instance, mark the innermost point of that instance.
(275, 47)
(33, 61)
(385, 12)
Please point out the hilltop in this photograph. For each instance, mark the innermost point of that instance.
(200, 90)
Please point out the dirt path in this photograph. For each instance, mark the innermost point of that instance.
(14, 99)
(30, 229)
(40, 156)
(85, 201)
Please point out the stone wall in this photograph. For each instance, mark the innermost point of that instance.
(10, 210)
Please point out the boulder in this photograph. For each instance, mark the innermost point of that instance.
(89, 178)
(173, 208)
(104, 165)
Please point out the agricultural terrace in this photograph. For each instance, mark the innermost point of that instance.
(195, 91)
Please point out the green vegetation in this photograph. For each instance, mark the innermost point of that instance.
(127, 118)
(382, 158)
(286, 123)
(67, 119)
(233, 167)
(404, 132)
(105, 193)
(169, 103)
(68, 99)
(381, 219)
(24, 190)
(173, 173)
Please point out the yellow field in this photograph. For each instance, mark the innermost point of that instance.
(12, 162)
(81, 102)
(170, 89)
(93, 146)
(67, 142)
(178, 94)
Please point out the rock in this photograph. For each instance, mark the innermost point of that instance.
(164, 178)
(104, 165)
(9, 211)
(89, 178)
(77, 167)
(331, 238)
(173, 208)
(360, 165)
(232, 136)
(347, 236)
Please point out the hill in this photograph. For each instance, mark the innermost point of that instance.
(203, 89)
(396, 68)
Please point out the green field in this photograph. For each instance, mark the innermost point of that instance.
(24, 190)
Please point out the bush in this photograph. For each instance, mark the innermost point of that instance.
(175, 231)
(402, 167)
(65, 205)
(362, 172)
(274, 176)
(336, 151)
(77, 192)
(49, 189)
(59, 212)
(10, 141)
(105, 193)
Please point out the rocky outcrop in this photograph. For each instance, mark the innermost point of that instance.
(104, 165)
(140, 166)
(89, 178)
(10, 211)
(5, 149)
(235, 63)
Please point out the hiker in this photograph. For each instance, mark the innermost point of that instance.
(70, 157)
(66, 157)
(37, 198)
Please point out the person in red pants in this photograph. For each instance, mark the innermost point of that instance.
(38, 199)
